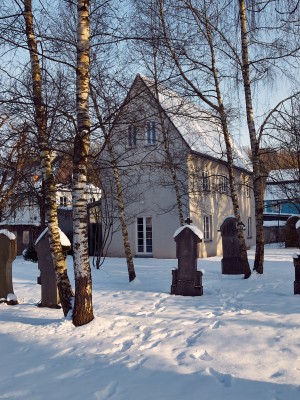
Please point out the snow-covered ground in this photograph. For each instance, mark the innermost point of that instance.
(240, 340)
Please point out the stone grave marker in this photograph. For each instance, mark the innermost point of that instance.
(296, 259)
(298, 232)
(232, 260)
(186, 280)
(291, 237)
(8, 252)
(47, 279)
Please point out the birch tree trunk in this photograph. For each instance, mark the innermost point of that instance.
(128, 254)
(169, 158)
(121, 207)
(220, 110)
(83, 308)
(229, 154)
(258, 179)
(62, 279)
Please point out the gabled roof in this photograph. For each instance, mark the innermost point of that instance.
(199, 128)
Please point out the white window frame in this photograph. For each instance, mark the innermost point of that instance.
(207, 228)
(147, 247)
(223, 184)
(249, 227)
(26, 238)
(151, 133)
(247, 186)
(132, 136)
(63, 201)
(205, 181)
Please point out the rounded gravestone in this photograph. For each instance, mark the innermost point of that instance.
(298, 232)
(47, 279)
(186, 280)
(232, 263)
(8, 252)
(291, 237)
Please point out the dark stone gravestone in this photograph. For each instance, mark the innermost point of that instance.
(186, 280)
(296, 259)
(232, 260)
(298, 232)
(47, 279)
(291, 237)
(8, 252)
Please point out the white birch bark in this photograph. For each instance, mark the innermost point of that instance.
(220, 110)
(83, 307)
(63, 283)
(121, 206)
(258, 179)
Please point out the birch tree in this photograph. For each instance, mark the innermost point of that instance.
(276, 49)
(151, 56)
(258, 179)
(118, 183)
(209, 65)
(63, 283)
(83, 307)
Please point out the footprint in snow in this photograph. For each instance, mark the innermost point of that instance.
(225, 379)
(201, 355)
(123, 344)
(180, 357)
(192, 339)
(107, 392)
(32, 371)
(74, 373)
(150, 345)
(215, 325)
(145, 331)
(62, 353)
(277, 374)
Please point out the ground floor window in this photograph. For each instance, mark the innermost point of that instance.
(63, 201)
(207, 227)
(26, 237)
(249, 227)
(144, 235)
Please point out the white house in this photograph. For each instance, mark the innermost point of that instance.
(25, 220)
(158, 133)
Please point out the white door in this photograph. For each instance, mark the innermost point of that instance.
(144, 235)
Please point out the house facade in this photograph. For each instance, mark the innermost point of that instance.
(25, 221)
(171, 156)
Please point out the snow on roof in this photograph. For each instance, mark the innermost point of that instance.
(274, 223)
(273, 193)
(276, 175)
(296, 255)
(63, 238)
(93, 192)
(199, 128)
(193, 228)
(298, 224)
(8, 234)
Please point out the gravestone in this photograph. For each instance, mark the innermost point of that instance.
(296, 259)
(298, 232)
(291, 237)
(232, 261)
(186, 280)
(47, 278)
(8, 252)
